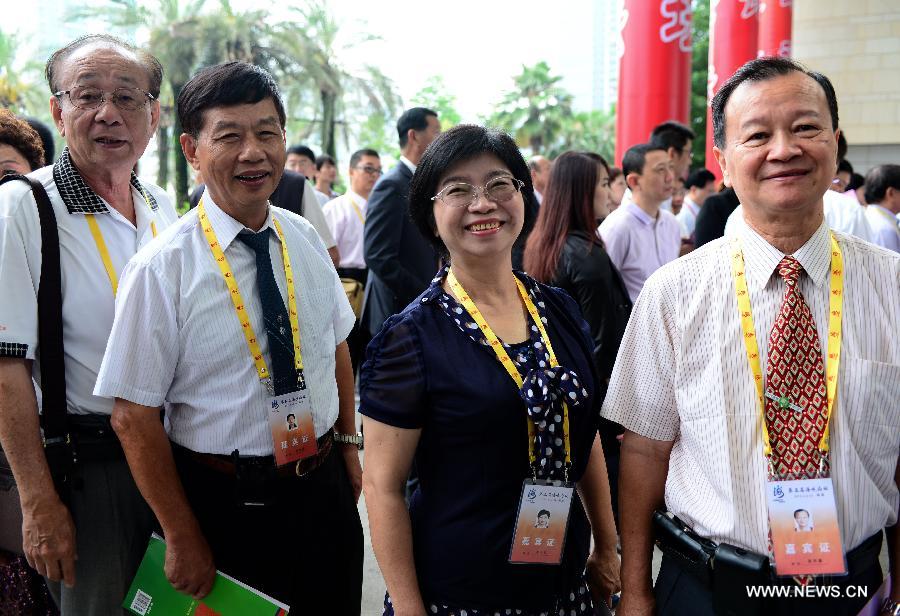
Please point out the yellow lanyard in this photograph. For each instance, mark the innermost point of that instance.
(356, 209)
(238, 301)
(504, 357)
(104, 251)
(836, 297)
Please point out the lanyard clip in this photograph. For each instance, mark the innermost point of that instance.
(270, 387)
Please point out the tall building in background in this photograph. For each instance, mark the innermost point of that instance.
(607, 47)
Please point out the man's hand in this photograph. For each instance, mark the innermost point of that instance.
(48, 540)
(189, 564)
(354, 468)
(602, 572)
(633, 604)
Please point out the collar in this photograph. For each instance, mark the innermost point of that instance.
(640, 214)
(81, 198)
(227, 228)
(356, 198)
(408, 163)
(761, 258)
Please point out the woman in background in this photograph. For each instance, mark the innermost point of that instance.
(617, 188)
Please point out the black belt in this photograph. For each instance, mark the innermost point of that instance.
(230, 464)
(93, 438)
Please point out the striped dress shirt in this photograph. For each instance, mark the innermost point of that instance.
(682, 375)
(177, 340)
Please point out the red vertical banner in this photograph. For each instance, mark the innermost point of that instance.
(775, 21)
(733, 29)
(654, 69)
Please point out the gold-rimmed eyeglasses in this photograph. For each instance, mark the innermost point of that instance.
(462, 194)
(89, 97)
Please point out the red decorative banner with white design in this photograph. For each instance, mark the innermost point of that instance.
(733, 29)
(655, 69)
(775, 20)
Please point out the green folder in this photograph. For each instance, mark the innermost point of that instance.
(151, 593)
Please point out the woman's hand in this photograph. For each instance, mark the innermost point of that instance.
(602, 573)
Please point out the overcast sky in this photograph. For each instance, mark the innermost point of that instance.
(475, 45)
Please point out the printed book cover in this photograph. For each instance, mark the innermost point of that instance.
(151, 593)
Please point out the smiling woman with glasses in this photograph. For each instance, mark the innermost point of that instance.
(486, 381)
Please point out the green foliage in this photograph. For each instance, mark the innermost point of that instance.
(590, 131)
(536, 110)
(437, 97)
(699, 70)
(378, 132)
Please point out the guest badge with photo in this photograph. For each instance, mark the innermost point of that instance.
(541, 523)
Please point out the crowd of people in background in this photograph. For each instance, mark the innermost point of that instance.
(599, 289)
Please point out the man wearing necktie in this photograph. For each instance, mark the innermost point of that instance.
(760, 377)
(235, 323)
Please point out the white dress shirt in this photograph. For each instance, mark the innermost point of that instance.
(687, 218)
(885, 227)
(88, 301)
(682, 375)
(842, 213)
(409, 164)
(312, 212)
(346, 216)
(177, 340)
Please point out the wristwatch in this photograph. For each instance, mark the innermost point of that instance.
(891, 607)
(349, 439)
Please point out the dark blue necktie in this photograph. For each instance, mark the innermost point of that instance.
(275, 315)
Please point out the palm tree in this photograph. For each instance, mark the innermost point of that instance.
(307, 52)
(536, 109)
(18, 94)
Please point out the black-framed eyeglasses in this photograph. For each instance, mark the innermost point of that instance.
(460, 194)
(89, 97)
(369, 170)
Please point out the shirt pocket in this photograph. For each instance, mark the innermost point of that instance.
(317, 322)
(872, 398)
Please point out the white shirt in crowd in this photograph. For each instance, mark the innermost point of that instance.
(88, 301)
(687, 218)
(177, 341)
(627, 198)
(682, 375)
(842, 213)
(312, 211)
(346, 216)
(885, 227)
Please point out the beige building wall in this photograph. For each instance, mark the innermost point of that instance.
(856, 43)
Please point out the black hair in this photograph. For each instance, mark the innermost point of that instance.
(145, 58)
(46, 136)
(302, 150)
(799, 510)
(17, 134)
(856, 181)
(225, 85)
(699, 178)
(672, 134)
(543, 512)
(636, 156)
(879, 179)
(289, 415)
(358, 154)
(323, 160)
(845, 166)
(763, 69)
(841, 146)
(416, 119)
(459, 144)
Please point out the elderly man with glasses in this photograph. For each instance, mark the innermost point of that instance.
(91, 530)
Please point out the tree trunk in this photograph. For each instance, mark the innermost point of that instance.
(181, 166)
(329, 104)
(162, 152)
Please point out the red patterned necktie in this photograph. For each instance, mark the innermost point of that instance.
(795, 378)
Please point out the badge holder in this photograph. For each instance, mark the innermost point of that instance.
(291, 424)
(542, 521)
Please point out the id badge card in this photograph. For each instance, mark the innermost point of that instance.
(291, 423)
(806, 538)
(541, 523)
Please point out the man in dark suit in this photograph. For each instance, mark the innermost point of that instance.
(401, 263)
(713, 216)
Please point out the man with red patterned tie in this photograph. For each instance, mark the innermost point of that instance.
(758, 377)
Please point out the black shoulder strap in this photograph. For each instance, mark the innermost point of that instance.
(50, 333)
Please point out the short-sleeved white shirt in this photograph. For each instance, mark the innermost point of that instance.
(88, 302)
(682, 375)
(885, 227)
(177, 340)
(346, 216)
